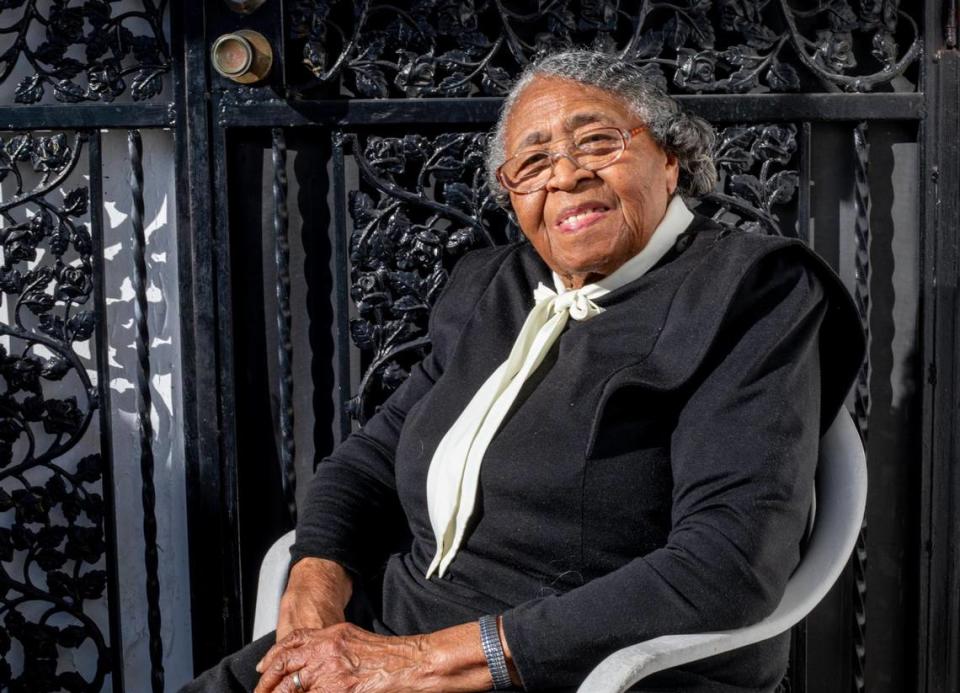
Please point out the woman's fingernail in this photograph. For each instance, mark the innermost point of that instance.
(260, 667)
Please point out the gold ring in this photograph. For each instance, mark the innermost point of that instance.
(297, 683)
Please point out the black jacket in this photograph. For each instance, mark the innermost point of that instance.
(653, 477)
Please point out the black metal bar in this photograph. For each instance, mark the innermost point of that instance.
(288, 456)
(862, 261)
(214, 546)
(73, 116)
(938, 644)
(234, 623)
(744, 108)
(862, 399)
(927, 173)
(95, 154)
(151, 557)
(341, 284)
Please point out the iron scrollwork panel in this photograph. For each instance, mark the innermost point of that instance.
(424, 201)
(53, 537)
(447, 48)
(759, 178)
(84, 51)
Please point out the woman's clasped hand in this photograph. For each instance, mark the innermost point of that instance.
(345, 657)
(348, 659)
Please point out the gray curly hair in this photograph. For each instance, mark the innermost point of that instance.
(686, 136)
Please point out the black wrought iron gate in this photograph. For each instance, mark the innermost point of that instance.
(318, 212)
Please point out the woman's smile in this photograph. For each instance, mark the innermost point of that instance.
(578, 217)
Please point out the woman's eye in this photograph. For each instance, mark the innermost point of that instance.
(597, 140)
(533, 164)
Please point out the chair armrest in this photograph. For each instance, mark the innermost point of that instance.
(842, 497)
(270, 586)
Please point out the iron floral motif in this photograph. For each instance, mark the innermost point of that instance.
(428, 203)
(52, 538)
(111, 52)
(755, 179)
(448, 48)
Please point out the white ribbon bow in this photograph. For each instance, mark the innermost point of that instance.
(455, 469)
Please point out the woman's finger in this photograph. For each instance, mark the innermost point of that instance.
(292, 641)
(280, 669)
(283, 663)
(288, 684)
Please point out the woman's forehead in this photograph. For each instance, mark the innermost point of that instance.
(550, 105)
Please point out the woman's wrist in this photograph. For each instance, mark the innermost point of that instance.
(324, 575)
(455, 660)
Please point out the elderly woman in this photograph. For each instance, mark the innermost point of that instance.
(613, 438)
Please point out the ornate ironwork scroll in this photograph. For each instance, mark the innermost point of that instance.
(861, 295)
(431, 48)
(758, 175)
(144, 408)
(52, 545)
(89, 51)
(288, 450)
(423, 202)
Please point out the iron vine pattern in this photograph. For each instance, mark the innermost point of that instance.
(89, 52)
(450, 48)
(423, 202)
(52, 543)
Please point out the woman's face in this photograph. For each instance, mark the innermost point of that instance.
(585, 224)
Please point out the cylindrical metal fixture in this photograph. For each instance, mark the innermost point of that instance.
(244, 6)
(244, 56)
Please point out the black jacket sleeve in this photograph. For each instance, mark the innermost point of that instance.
(351, 511)
(743, 455)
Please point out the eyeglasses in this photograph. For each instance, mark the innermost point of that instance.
(593, 149)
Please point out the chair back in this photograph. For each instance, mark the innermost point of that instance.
(270, 586)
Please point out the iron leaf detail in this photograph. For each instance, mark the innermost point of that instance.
(57, 533)
(109, 48)
(452, 49)
(422, 203)
(756, 178)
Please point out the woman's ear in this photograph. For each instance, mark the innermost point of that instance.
(672, 172)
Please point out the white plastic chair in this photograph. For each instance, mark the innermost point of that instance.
(270, 585)
(841, 499)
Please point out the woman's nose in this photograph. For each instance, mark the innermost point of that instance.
(566, 173)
